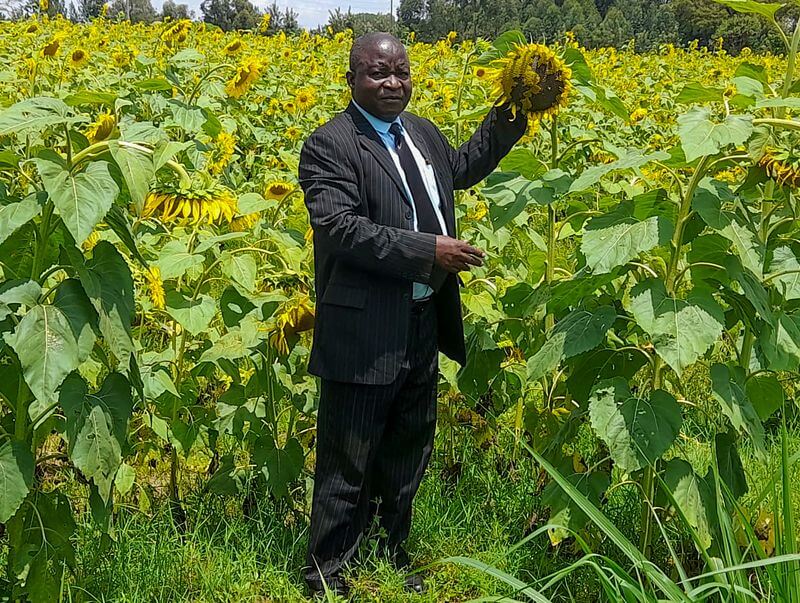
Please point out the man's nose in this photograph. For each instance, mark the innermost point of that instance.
(393, 81)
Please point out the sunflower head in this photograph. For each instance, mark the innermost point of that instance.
(532, 79)
(101, 128)
(294, 316)
(781, 165)
(78, 58)
(206, 201)
(156, 287)
(244, 223)
(233, 47)
(246, 75)
(278, 189)
(51, 48)
(305, 98)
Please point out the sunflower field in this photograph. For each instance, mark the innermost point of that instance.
(634, 336)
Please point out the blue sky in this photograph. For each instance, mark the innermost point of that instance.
(310, 12)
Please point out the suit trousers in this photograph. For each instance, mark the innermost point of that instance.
(373, 441)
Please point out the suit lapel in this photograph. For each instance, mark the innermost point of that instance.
(371, 141)
(422, 144)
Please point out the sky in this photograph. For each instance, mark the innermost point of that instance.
(310, 12)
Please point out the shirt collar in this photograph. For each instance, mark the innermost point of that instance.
(382, 127)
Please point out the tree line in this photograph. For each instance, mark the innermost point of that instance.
(645, 23)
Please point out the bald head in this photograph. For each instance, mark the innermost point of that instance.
(380, 75)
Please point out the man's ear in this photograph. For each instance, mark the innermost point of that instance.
(351, 78)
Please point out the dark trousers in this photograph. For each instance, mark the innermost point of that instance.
(373, 441)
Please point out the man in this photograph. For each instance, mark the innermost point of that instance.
(378, 185)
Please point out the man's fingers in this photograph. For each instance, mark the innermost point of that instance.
(473, 260)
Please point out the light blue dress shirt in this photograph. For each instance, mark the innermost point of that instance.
(425, 169)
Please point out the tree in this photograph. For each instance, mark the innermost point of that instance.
(282, 20)
(135, 11)
(738, 31)
(89, 9)
(615, 30)
(360, 23)
(230, 15)
(175, 11)
(698, 20)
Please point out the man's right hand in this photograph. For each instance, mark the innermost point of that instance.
(454, 255)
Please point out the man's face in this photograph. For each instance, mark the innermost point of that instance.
(381, 83)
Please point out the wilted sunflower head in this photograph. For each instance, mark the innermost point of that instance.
(532, 79)
(78, 58)
(782, 165)
(51, 48)
(278, 189)
(101, 128)
(205, 201)
(294, 316)
(233, 47)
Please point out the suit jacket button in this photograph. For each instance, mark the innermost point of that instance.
(408, 215)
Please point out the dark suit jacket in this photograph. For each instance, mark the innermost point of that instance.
(366, 255)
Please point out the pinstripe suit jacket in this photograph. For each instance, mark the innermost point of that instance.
(366, 255)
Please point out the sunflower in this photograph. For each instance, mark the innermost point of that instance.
(233, 47)
(32, 28)
(781, 166)
(176, 32)
(293, 133)
(532, 79)
(51, 48)
(278, 190)
(92, 240)
(289, 107)
(220, 156)
(78, 58)
(305, 98)
(244, 223)
(101, 128)
(264, 25)
(638, 115)
(479, 72)
(156, 287)
(246, 75)
(478, 212)
(295, 316)
(212, 203)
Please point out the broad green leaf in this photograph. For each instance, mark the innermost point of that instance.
(613, 239)
(174, 259)
(687, 489)
(521, 299)
(240, 267)
(233, 345)
(728, 388)
(580, 331)
(15, 292)
(234, 306)
(89, 97)
(97, 426)
(708, 201)
(522, 161)
(187, 117)
(33, 115)
(123, 481)
(83, 199)
(482, 304)
(194, 316)
(483, 362)
(165, 150)
(16, 477)
(509, 194)
(791, 102)
(137, 168)
(73, 302)
(695, 92)
(107, 281)
(780, 342)
(599, 365)
(637, 431)
(47, 349)
(569, 293)
(581, 72)
(785, 270)
(766, 393)
(500, 46)
(729, 465)
(700, 136)
(765, 9)
(747, 246)
(564, 511)
(632, 159)
(250, 203)
(681, 330)
(14, 215)
(605, 98)
(280, 466)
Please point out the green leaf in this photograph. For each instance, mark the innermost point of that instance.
(82, 200)
(728, 388)
(632, 159)
(605, 98)
(281, 466)
(241, 268)
(137, 169)
(691, 496)
(509, 194)
(700, 136)
(482, 304)
(785, 261)
(47, 349)
(791, 102)
(521, 161)
(123, 481)
(107, 281)
(194, 316)
(613, 239)
(765, 9)
(747, 246)
(165, 150)
(580, 331)
(73, 302)
(234, 306)
(14, 215)
(695, 92)
(89, 97)
(637, 431)
(33, 115)
(18, 292)
(500, 46)
(250, 203)
(581, 72)
(729, 465)
(599, 365)
(681, 330)
(780, 342)
(175, 259)
(521, 299)
(766, 393)
(564, 511)
(96, 427)
(16, 477)
(708, 201)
